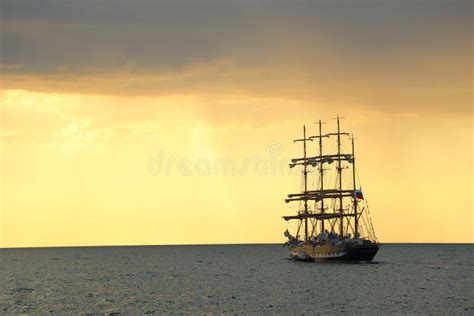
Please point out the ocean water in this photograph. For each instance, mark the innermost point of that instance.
(234, 279)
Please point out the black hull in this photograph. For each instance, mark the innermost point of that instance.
(348, 253)
(363, 253)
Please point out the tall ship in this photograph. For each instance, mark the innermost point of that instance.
(333, 220)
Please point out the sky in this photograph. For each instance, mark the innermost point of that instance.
(119, 118)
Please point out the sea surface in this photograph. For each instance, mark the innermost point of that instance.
(234, 279)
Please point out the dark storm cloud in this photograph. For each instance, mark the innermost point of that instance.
(353, 49)
(44, 35)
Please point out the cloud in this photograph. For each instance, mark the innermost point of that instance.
(396, 56)
(11, 66)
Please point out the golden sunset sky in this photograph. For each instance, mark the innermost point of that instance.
(115, 114)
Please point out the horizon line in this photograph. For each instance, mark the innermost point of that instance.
(224, 244)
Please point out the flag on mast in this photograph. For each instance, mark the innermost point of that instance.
(358, 194)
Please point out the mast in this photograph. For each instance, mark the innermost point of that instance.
(305, 172)
(321, 170)
(305, 177)
(356, 217)
(339, 171)
(321, 193)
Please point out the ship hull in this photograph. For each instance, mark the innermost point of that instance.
(347, 253)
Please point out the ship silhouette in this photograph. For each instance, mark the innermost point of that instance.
(333, 223)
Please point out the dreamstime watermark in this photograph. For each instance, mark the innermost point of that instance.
(274, 149)
(268, 163)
